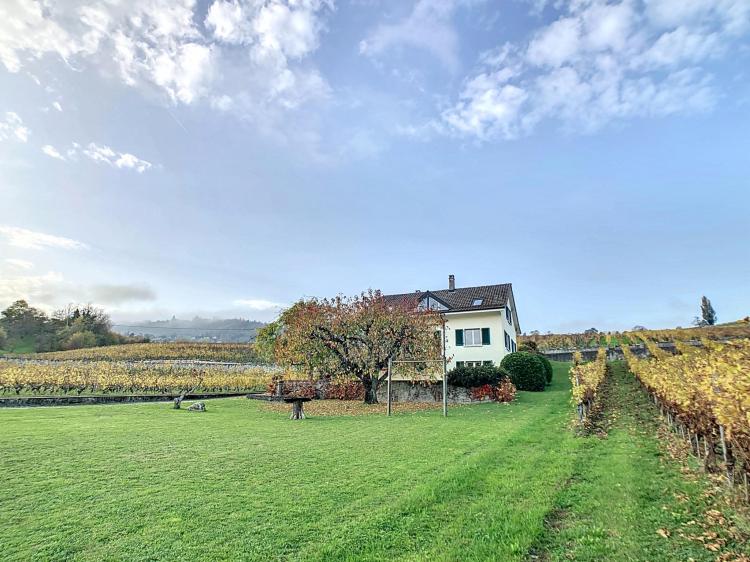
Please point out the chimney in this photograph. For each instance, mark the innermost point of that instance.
(451, 282)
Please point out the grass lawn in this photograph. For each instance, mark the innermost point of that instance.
(242, 482)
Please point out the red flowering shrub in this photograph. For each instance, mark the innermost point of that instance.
(505, 391)
(349, 390)
(482, 392)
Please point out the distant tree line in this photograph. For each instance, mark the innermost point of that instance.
(25, 328)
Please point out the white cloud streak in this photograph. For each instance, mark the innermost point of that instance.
(428, 27)
(52, 152)
(19, 264)
(32, 240)
(105, 155)
(259, 304)
(12, 128)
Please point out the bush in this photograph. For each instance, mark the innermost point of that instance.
(526, 370)
(503, 392)
(79, 340)
(548, 371)
(472, 377)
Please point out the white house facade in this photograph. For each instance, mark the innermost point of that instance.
(481, 323)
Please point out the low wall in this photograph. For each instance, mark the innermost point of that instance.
(26, 401)
(405, 391)
(401, 391)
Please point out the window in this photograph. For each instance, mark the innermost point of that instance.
(460, 364)
(513, 345)
(477, 302)
(509, 315)
(429, 303)
(507, 341)
(473, 337)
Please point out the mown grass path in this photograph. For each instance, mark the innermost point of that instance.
(628, 500)
(239, 482)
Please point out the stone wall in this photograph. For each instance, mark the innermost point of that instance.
(405, 391)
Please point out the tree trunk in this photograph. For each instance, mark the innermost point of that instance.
(371, 389)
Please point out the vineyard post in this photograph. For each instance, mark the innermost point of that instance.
(725, 452)
(389, 387)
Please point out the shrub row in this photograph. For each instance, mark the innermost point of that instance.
(526, 370)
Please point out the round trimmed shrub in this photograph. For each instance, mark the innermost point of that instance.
(547, 367)
(526, 370)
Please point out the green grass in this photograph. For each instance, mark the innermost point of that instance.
(145, 482)
(21, 347)
(623, 490)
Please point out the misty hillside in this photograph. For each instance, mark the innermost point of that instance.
(196, 329)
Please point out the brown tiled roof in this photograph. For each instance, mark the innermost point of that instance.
(461, 299)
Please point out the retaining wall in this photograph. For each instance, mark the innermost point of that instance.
(26, 401)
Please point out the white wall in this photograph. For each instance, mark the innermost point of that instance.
(494, 320)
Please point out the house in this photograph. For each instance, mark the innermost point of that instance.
(481, 323)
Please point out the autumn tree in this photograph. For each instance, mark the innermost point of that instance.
(355, 336)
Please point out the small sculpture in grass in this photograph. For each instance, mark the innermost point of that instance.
(197, 407)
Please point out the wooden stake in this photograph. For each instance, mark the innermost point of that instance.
(388, 390)
(726, 455)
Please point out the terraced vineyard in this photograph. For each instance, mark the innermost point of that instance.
(548, 342)
(199, 351)
(102, 377)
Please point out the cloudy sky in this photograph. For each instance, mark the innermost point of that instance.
(227, 157)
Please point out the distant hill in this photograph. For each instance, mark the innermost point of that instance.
(197, 329)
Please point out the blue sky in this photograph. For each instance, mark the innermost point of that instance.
(228, 157)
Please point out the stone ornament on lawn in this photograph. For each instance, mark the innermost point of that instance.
(197, 407)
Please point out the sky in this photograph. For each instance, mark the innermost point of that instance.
(228, 157)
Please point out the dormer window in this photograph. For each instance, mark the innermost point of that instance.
(429, 303)
(477, 302)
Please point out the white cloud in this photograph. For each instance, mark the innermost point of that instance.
(57, 106)
(104, 154)
(27, 32)
(248, 49)
(19, 264)
(259, 304)
(428, 27)
(52, 152)
(30, 239)
(12, 128)
(39, 290)
(598, 62)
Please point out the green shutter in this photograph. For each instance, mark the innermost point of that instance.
(485, 336)
(459, 337)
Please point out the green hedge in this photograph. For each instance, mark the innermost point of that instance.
(472, 377)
